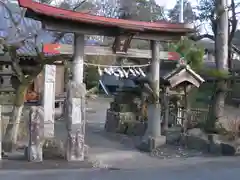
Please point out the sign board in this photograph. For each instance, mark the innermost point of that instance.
(49, 100)
(76, 111)
(67, 49)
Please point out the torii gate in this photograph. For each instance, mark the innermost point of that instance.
(56, 19)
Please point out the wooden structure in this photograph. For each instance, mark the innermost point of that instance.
(181, 79)
(175, 81)
(181, 74)
(55, 19)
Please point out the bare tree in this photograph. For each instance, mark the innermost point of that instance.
(188, 12)
(208, 15)
(223, 22)
(221, 56)
(21, 79)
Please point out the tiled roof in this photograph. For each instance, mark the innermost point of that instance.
(27, 27)
(78, 17)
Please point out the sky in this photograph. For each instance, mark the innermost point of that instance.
(167, 4)
(170, 3)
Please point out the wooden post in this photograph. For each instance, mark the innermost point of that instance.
(49, 100)
(153, 138)
(166, 109)
(75, 104)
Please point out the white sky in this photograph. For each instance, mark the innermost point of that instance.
(170, 3)
(166, 3)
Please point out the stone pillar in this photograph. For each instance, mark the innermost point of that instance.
(155, 121)
(36, 133)
(49, 100)
(1, 132)
(153, 138)
(75, 105)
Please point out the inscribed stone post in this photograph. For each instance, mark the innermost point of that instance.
(49, 100)
(75, 111)
(75, 104)
(36, 120)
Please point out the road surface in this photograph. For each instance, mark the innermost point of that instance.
(227, 168)
(124, 162)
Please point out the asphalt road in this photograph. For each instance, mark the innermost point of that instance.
(219, 170)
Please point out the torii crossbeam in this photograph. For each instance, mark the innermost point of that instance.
(56, 19)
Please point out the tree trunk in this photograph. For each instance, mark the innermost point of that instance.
(11, 133)
(221, 56)
(217, 105)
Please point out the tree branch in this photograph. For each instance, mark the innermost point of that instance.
(233, 22)
(79, 5)
(15, 63)
(60, 35)
(15, 23)
(197, 38)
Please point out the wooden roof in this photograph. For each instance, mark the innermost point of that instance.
(44, 12)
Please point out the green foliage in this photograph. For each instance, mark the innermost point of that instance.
(91, 77)
(219, 74)
(206, 9)
(193, 55)
(192, 52)
(211, 127)
(149, 10)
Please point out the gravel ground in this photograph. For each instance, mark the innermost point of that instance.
(170, 151)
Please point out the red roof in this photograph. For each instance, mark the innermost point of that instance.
(50, 11)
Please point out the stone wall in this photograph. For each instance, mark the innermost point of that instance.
(124, 116)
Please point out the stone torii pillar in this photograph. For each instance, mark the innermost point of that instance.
(153, 137)
(75, 104)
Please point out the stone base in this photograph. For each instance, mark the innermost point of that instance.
(53, 149)
(36, 134)
(115, 121)
(35, 153)
(173, 135)
(8, 146)
(152, 143)
(210, 143)
(75, 147)
(75, 117)
(136, 128)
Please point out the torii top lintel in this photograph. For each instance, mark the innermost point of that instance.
(49, 14)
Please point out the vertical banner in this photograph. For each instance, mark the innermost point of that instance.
(49, 100)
